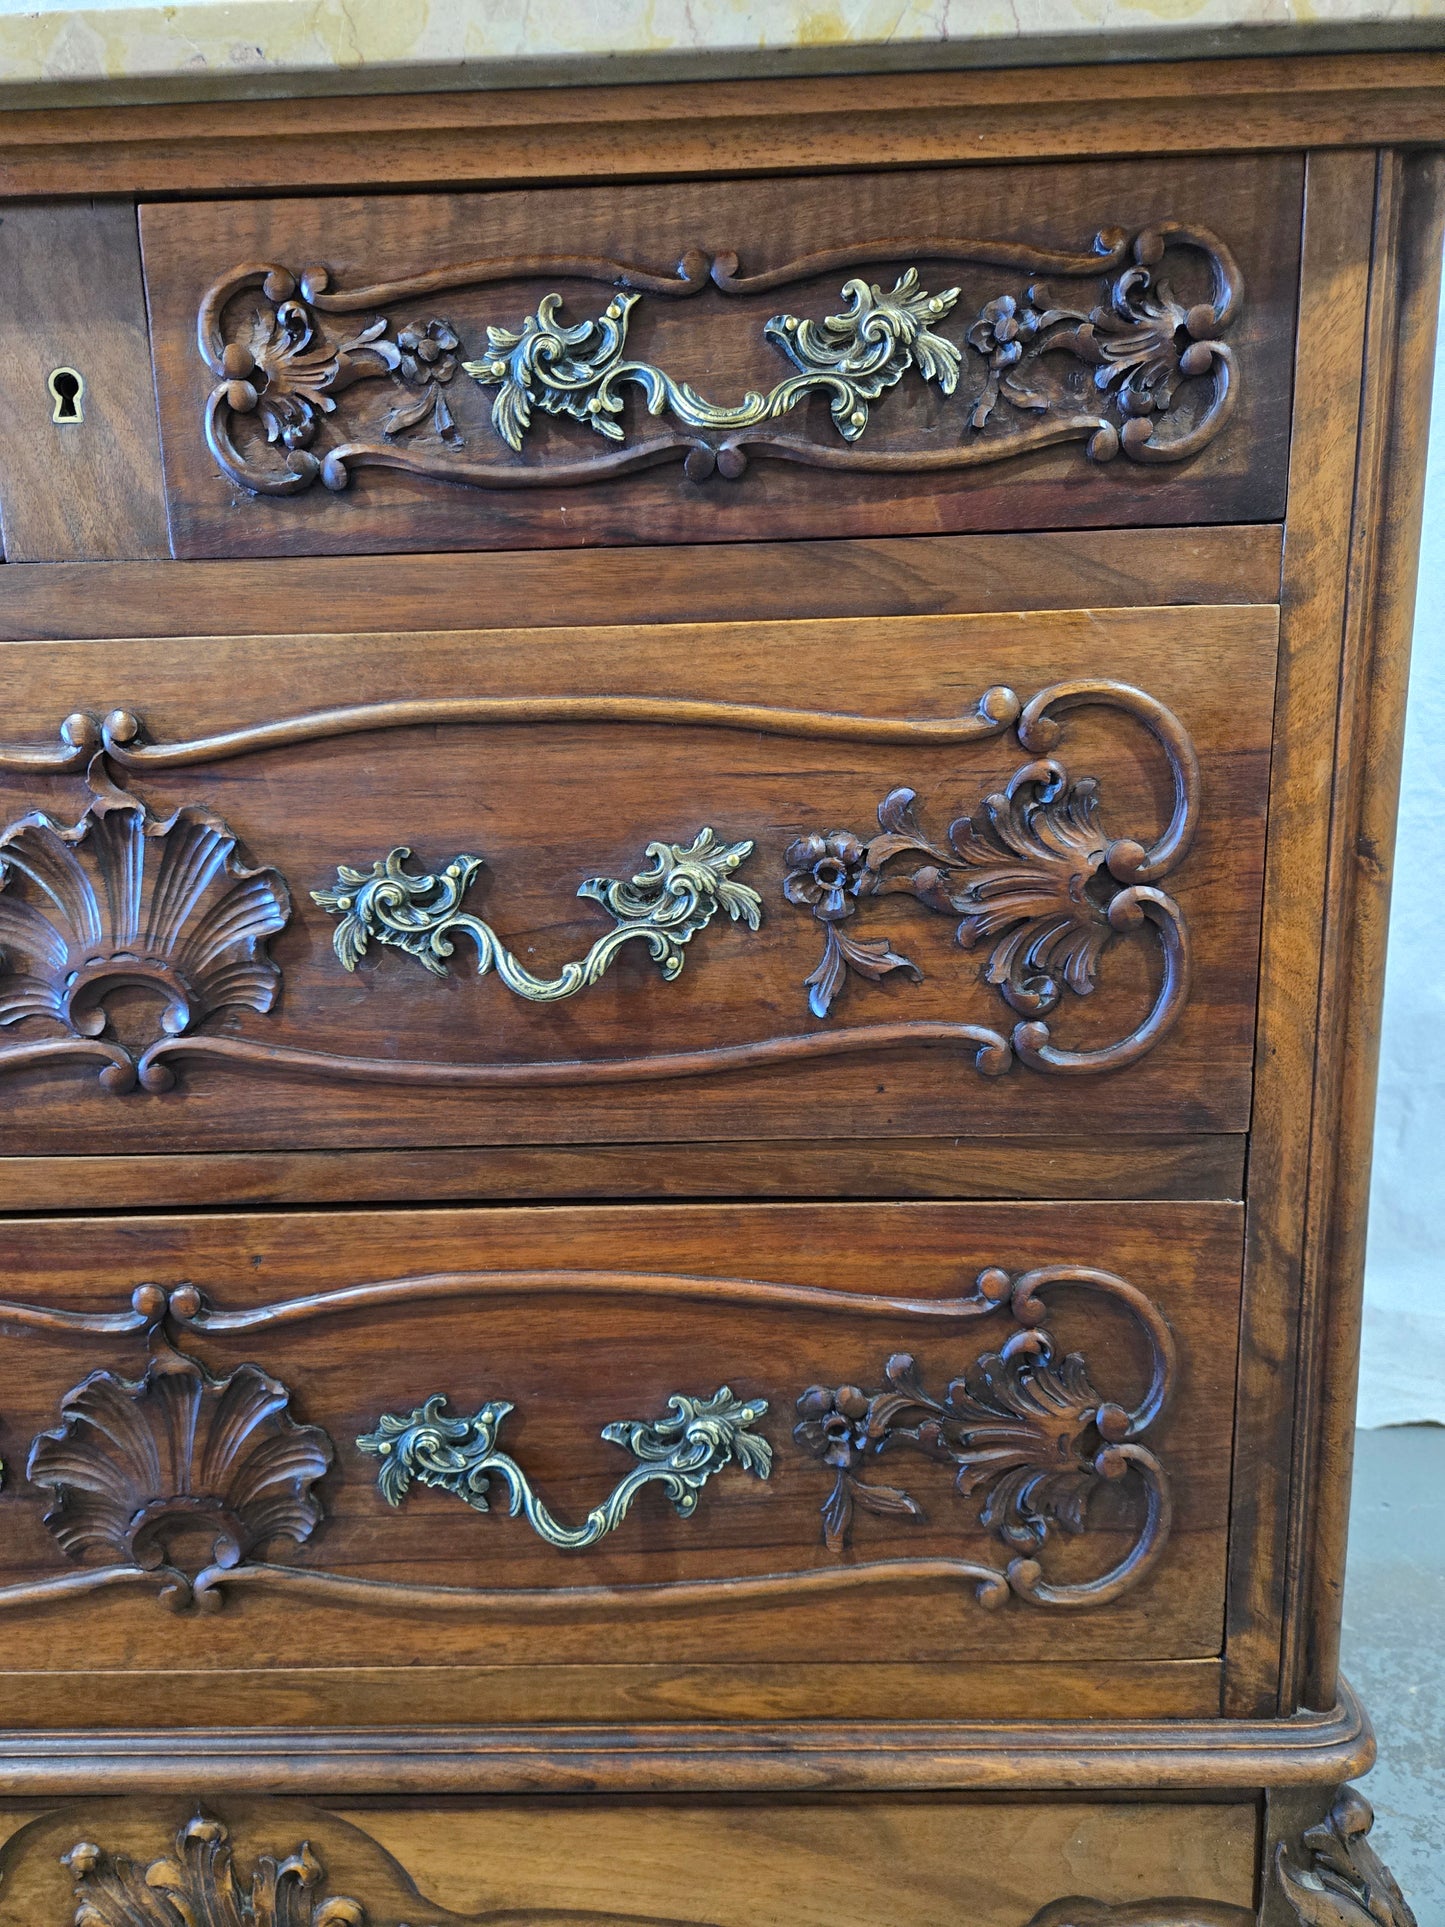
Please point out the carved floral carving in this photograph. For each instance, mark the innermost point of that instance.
(1033, 873)
(123, 897)
(1024, 1429)
(286, 362)
(140, 1468)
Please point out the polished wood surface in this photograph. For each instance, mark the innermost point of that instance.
(323, 1698)
(1404, 308)
(87, 488)
(1339, 212)
(715, 340)
(843, 1168)
(769, 581)
(732, 1046)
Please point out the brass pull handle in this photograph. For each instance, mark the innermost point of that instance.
(664, 906)
(460, 1456)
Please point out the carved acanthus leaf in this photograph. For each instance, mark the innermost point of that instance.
(1337, 1879)
(198, 1884)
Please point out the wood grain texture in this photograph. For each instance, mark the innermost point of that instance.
(580, 1317)
(741, 127)
(563, 800)
(1339, 205)
(629, 1864)
(845, 1168)
(1404, 304)
(715, 341)
(888, 576)
(326, 1697)
(1089, 1757)
(90, 488)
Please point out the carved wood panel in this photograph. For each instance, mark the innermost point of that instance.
(726, 359)
(745, 1431)
(266, 909)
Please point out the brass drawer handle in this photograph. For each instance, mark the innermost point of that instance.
(460, 1456)
(664, 906)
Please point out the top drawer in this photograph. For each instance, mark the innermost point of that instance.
(722, 360)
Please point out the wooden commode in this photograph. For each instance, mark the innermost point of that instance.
(696, 789)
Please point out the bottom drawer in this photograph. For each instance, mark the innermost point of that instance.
(900, 1461)
(847, 1862)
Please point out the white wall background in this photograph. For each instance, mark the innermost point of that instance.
(1402, 1372)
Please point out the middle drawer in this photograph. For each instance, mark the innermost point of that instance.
(586, 1462)
(944, 875)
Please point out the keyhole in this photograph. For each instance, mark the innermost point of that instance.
(66, 386)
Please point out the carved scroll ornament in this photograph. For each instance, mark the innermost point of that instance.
(283, 362)
(461, 1456)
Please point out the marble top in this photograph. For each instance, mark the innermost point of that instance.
(210, 49)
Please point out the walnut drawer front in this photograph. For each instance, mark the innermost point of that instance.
(610, 1863)
(913, 875)
(1090, 345)
(639, 1449)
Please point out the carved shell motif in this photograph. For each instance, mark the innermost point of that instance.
(125, 897)
(137, 1462)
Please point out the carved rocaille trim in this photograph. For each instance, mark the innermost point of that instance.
(1033, 870)
(285, 364)
(135, 1463)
